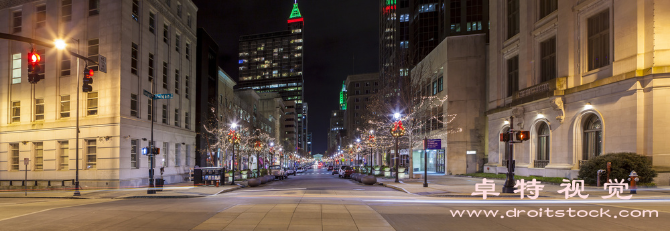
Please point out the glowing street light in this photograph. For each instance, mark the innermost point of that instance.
(60, 44)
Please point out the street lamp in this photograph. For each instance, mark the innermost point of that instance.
(358, 147)
(397, 130)
(61, 45)
(234, 138)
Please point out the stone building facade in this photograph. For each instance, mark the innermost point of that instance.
(585, 77)
(144, 42)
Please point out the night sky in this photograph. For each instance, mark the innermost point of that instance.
(335, 32)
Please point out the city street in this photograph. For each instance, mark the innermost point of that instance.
(315, 200)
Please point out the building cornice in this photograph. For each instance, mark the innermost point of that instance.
(174, 20)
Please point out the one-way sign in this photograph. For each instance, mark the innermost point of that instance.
(163, 96)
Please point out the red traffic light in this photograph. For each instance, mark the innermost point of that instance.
(90, 73)
(33, 58)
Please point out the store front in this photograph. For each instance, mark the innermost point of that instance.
(435, 161)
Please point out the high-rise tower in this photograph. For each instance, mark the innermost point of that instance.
(272, 62)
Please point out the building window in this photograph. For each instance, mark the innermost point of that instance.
(434, 87)
(166, 155)
(358, 84)
(512, 75)
(188, 51)
(357, 100)
(179, 10)
(151, 67)
(133, 60)
(93, 51)
(512, 18)
(16, 111)
(93, 7)
(14, 152)
(41, 16)
(136, 10)
(474, 16)
(187, 121)
(133, 153)
(165, 114)
(188, 20)
(440, 84)
(39, 109)
(599, 40)
(547, 7)
(65, 65)
(66, 10)
(152, 22)
(42, 64)
(39, 155)
(91, 154)
(150, 110)
(64, 155)
(64, 106)
(548, 64)
(92, 103)
(542, 155)
(176, 117)
(166, 34)
(186, 87)
(177, 40)
(188, 155)
(16, 68)
(165, 75)
(134, 106)
(176, 81)
(16, 19)
(167, 2)
(177, 154)
(593, 138)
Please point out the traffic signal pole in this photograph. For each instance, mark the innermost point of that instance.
(152, 154)
(76, 182)
(509, 182)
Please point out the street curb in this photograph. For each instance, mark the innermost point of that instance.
(396, 188)
(228, 190)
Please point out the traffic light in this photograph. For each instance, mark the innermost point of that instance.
(520, 136)
(88, 80)
(504, 137)
(34, 67)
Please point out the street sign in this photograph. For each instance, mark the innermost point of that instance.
(147, 93)
(163, 96)
(26, 161)
(102, 64)
(433, 144)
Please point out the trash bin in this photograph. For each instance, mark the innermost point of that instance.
(159, 184)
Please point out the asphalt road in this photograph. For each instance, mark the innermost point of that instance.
(318, 201)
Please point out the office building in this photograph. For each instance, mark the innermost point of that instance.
(148, 46)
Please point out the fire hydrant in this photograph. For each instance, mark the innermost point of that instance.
(633, 178)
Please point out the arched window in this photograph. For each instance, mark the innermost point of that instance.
(593, 138)
(542, 153)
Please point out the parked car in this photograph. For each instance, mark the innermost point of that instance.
(346, 173)
(330, 168)
(290, 171)
(300, 170)
(334, 172)
(341, 169)
(309, 167)
(278, 172)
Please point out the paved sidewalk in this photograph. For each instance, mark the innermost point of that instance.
(180, 190)
(463, 187)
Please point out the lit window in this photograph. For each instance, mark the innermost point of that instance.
(16, 111)
(39, 155)
(39, 109)
(91, 154)
(92, 103)
(65, 106)
(14, 152)
(16, 68)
